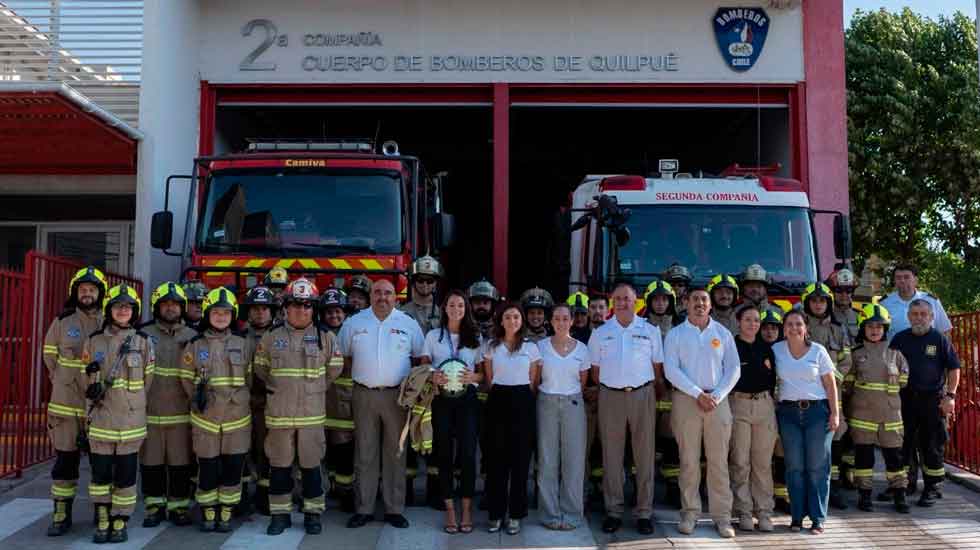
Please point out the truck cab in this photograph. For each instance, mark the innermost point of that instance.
(327, 210)
(633, 228)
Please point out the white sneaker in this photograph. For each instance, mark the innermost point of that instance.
(725, 530)
(765, 523)
(686, 526)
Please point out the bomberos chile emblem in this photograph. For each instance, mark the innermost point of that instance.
(741, 33)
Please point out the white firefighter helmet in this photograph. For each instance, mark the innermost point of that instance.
(755, 272)
(426, 265)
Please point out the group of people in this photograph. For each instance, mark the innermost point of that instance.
(349, 383)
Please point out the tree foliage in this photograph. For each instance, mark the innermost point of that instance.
(914, 136)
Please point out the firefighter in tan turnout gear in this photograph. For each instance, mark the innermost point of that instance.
(292, 360)
(66, 408)
(818, 303)
(425, 274)
(119, 371)
(165, 459)
(723, 291)
(340, 413)
(219, 373)
(661, 311)
(259, 308)
(874, 408)
(843, 283)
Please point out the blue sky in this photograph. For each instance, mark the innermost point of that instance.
(930, 8)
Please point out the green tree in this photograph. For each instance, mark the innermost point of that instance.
(914, 136)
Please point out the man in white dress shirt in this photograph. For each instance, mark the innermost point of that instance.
(379, 345)
(702, 363)
(906, 279)
(627, 360)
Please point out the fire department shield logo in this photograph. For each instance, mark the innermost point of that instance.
(741, 33)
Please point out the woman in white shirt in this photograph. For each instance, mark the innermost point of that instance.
(561, 424)
(455, 420)
(808, 417)
(510, 364)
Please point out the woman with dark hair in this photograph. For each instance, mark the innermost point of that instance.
(511, 364)
(455, 413)
(561, 433)
(808, 417)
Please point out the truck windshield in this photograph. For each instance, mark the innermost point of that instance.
(302, 212)
(720, 239)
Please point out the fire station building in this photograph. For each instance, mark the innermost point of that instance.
(513, 103)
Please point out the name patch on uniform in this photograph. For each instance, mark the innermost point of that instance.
(203, 355)
(309, 338)
(641, 337)
(280, 343)
(73, 332)
(398, 331)
(715, 343)
(931, 350)
(99, 357)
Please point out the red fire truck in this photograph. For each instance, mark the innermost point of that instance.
(327, 210)
(632, 228)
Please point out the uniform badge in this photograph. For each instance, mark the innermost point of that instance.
(741, 33)
(85, 356)
(73, 332)
(188, 358)
(715, 343)
(931, 350)
(280, 343)
(203, 355)
(99, 357)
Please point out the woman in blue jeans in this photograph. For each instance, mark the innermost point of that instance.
(808, 416)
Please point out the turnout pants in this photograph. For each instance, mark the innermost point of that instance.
(114, 467)
(379, 422)
(63, 432)
(165, 466)
(282, 446)
(864, 463)
(219, 480)
(619, 412)
(692, 427)
(925, 433)
(260, 462)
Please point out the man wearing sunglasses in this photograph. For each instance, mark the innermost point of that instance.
(425, 275)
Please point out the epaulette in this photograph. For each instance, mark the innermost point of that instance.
(66, 314)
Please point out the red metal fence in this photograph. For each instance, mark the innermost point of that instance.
(963, 449)
(29, 302)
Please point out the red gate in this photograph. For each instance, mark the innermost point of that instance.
(29, 302)
(963, 449)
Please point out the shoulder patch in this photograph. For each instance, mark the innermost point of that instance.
(73, 332)
(280, 344)
(86, 358)
(203, 355)
(188, 358)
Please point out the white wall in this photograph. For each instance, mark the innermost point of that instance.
(169, 114)
(427, 28)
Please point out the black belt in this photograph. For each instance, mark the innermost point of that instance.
(803, 404)
(377, 388)
(627, 388)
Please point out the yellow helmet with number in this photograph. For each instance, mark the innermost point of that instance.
(220, 297)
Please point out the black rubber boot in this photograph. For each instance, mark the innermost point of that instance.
(102, 524)
(245, 506)
(885, 496)
(209, 518)
(61, 518)
(901, 506)
(864, 500)
(312, 523)
(261, 500)
(180, 517)
(223, 524)
(278, 524)
(119, 533)
(837, 499)
(154, 515)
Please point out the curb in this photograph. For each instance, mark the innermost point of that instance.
(963, 478)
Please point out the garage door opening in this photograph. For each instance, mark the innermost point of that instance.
(451, 140)
(553, 148)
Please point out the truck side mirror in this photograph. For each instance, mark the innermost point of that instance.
(443, 230)
(843, 246)
(162, 229)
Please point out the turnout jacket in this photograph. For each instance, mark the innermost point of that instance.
(120, 416)
(166, 400)
(63, 345)
(221, 360)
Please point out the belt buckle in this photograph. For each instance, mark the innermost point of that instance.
(804, 405)
(628, 389)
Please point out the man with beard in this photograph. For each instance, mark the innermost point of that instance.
(723, 291)
(165, 460)
(425, 275)
(66, 408)
(483, 297)
(929, 398)
(260, 308)
(195, 291)
(843, 282)
(754, 286)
